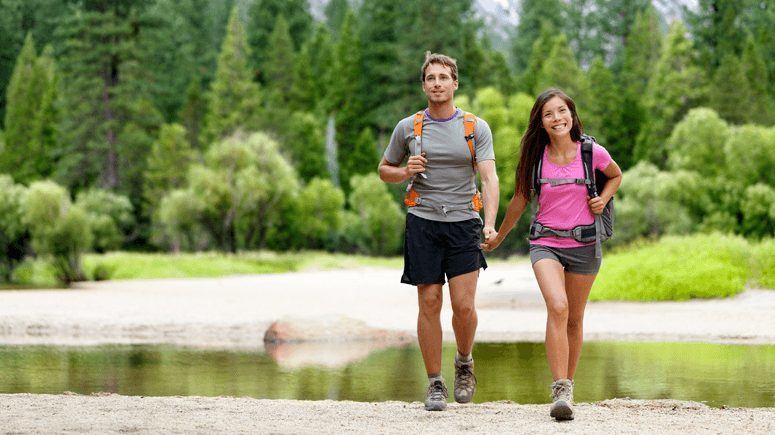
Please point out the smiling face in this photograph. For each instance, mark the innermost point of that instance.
(556, 117)
(438, 84)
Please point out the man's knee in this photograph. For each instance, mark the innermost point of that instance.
(430, 301)
(464, 308)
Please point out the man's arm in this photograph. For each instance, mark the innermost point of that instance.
(393, 173)
(490, 194)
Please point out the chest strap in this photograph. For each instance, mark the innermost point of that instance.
(560, 181)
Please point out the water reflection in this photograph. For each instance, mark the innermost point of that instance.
(717, 374)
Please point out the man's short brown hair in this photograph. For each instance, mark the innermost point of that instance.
(440, 59)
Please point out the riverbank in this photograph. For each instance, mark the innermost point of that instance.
(24, 413)
(235, 312)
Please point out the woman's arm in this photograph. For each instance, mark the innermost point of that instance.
(614, 174)
(513, 212)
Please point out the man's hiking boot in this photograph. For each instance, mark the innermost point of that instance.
(465, 381)
(436, 400)
(562, 400)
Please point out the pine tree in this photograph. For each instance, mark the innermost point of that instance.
(532, 15)
(762, 104)
(168, 161)
(560, 70)
(604, 113)
(530, 76)
(18, 18)
(641, 52)
(346, 96)
(262, 17)
(107, 123)
(730, 94)
(673, 88)
(335, 11)
(192, 113)
(30, 116)
(176, 49)
(304, 142)
(279, 63)
(24, 94)
(716, 26)
(234, 99)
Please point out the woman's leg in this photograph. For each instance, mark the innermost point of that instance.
(577, 287)
(551, 279)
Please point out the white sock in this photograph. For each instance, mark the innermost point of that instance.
(462, 358)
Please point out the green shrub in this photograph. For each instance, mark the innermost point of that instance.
(675, 268)
(102, 271)
(58, 228)
(110, 217)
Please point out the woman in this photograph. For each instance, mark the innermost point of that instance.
(564, 267)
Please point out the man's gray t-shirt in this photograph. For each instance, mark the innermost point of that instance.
(450, 176)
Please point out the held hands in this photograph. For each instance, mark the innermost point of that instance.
(416, 164)
(491, 240)
(596, 204)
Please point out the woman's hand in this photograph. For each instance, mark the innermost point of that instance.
(596, 204)
(491, 240)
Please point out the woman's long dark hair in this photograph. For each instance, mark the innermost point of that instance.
(535, 140)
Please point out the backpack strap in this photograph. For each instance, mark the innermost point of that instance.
(537, 172)
(419, 117)
(469, 126)
(587, 143)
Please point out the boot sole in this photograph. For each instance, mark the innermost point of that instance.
(465, 399)
(561, 411)
(435, 406)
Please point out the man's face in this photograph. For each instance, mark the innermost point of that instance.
(438, 84)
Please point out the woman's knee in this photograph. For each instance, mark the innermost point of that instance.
(575, 323)
(558, 309)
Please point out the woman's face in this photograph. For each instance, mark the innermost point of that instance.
(556, 117)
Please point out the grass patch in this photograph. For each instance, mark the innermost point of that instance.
(676, 268)
(126, 265)
(763, 264)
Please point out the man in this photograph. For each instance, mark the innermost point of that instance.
(445, 147)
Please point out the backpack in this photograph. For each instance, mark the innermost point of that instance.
(413, 199)
(594, 180)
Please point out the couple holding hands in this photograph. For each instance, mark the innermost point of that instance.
(446, 147)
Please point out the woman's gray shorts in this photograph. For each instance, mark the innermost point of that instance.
(579, 260)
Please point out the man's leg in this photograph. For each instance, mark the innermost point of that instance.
(462, 293)
(429, 297)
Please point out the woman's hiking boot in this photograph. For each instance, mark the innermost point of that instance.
(465, 381)
(436, 399)
(562, 400)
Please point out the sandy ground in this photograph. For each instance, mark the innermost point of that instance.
(121, 414)
(234, 312)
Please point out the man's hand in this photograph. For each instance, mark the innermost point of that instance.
(491, 240)
(416, 164)
(596, 204)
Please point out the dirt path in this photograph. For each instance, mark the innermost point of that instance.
(121, 414)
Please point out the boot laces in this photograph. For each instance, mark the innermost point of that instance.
(437, 391)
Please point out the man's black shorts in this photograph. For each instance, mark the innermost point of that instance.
(433, 249)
